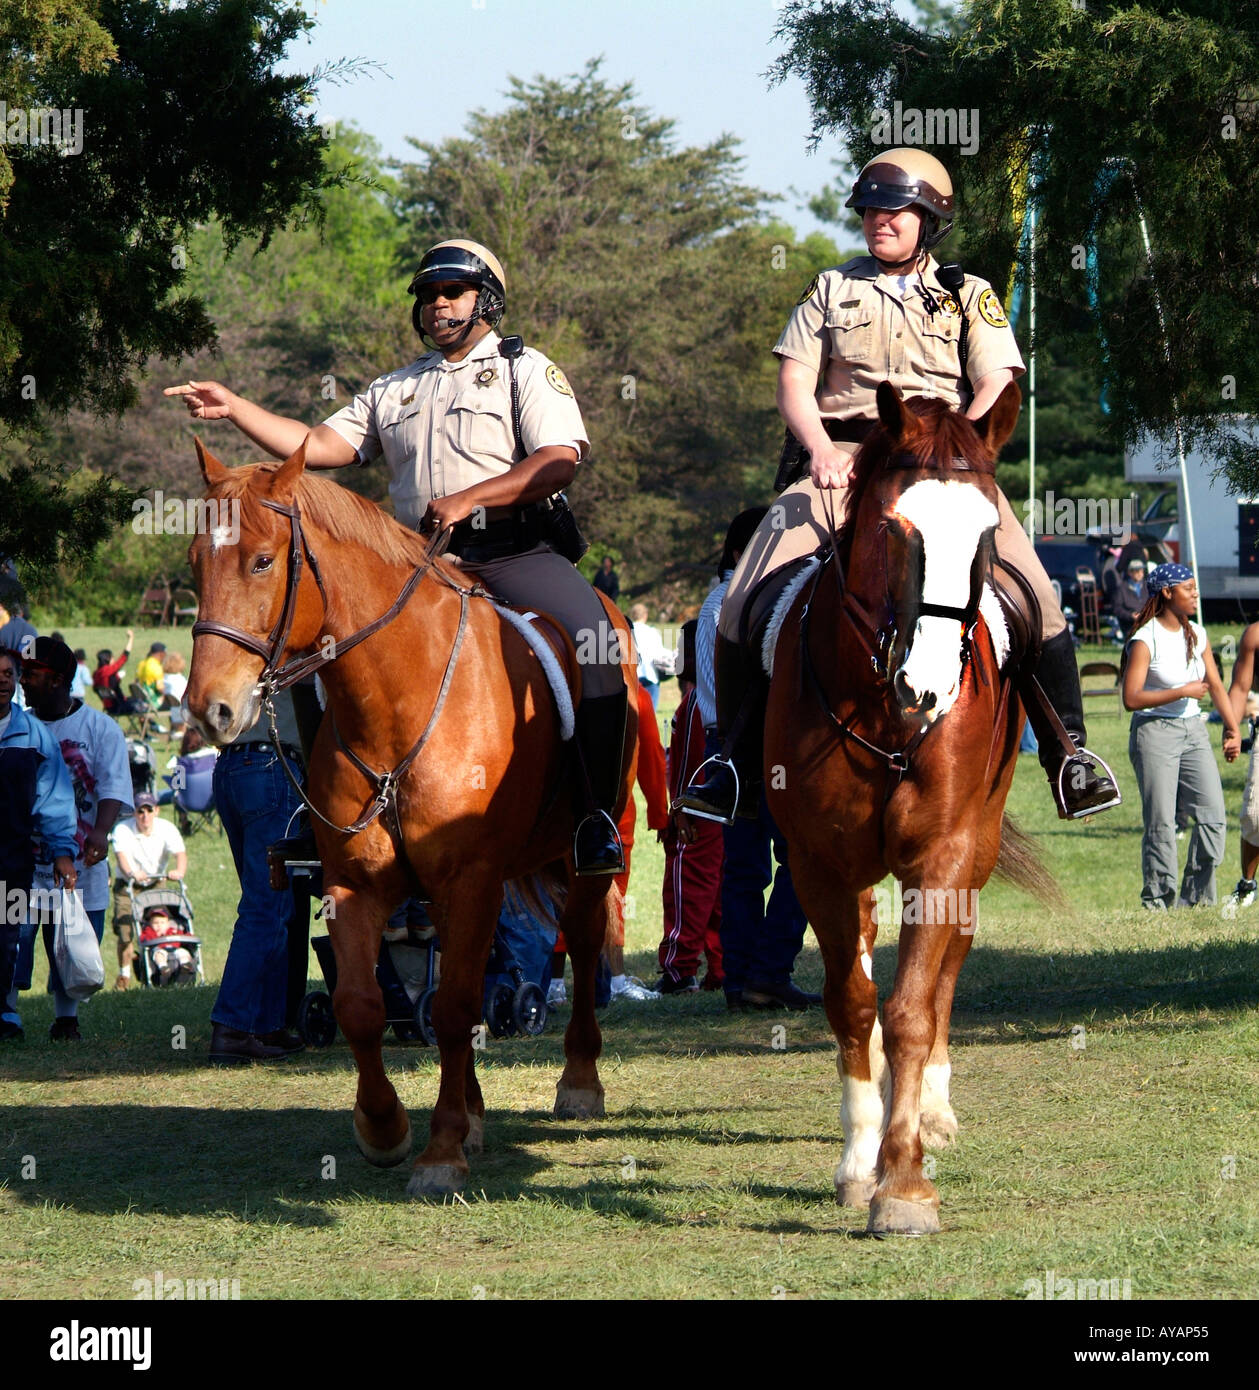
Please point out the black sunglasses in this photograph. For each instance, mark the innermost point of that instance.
(426, 294)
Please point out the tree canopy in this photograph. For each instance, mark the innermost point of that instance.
(1097, 110)
(164, 119)
(653, 275)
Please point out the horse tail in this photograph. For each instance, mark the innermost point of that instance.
(541, 895)
(1019, 863)
(544, 895)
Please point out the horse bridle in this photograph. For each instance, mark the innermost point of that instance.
(878, 641)
(273, 678)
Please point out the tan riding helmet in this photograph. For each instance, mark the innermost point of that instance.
(471, 263)
(903, 178)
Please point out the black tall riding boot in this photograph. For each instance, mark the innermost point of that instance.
(1082, 785)
(731, 779)
(597, 847)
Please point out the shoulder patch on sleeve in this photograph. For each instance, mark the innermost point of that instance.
(557, 380)
(809, 290)
(990, 310)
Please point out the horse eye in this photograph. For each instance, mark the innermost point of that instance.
(263, 563)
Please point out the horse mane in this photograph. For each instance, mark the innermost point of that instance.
(943, 434)
(343, 514)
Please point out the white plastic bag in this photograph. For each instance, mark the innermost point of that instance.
(76, 950)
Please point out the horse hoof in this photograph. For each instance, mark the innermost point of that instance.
(474, 1140)
(436, 1180)
(574, 1104)
(854, 1192)
(937, 1131)
(382, 1158)
(893, 1216)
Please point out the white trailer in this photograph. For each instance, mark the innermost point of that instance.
(1227, 567)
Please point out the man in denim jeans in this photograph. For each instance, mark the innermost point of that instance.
(256, 802)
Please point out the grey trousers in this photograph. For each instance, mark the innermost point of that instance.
(544, 580)
(1178, 779)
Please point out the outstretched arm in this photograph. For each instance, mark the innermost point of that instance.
(280, 437)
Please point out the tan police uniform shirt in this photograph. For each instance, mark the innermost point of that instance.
(854, 327)
(444, 426)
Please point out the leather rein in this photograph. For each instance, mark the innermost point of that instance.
(275, 678)
(879, 641)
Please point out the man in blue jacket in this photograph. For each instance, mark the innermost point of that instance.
(36, 801)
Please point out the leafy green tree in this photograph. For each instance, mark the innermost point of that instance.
(166, 117)
(1114, 107)
(652, 275)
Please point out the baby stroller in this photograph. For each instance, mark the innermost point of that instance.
(406, 972)
(180, 962)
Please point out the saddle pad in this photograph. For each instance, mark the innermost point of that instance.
(784, 601)
(543, 650)
(994, 616)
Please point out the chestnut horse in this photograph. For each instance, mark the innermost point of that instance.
(890, 745)
(484, 800)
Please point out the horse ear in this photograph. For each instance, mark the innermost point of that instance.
(997, 425)
(892, 412)
(284, 479)
(211, 469)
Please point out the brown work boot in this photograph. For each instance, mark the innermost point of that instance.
(230, 1047)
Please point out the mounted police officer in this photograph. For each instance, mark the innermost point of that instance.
(894, 315)
(481, 434)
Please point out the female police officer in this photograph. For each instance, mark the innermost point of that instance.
(888, 316)
(466, 452)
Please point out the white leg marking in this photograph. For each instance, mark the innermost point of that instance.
(863, 1113)
(937, 1124)
(935, 1086)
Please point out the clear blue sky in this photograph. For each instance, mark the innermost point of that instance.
(698, 62)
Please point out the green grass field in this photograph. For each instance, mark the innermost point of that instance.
(1106, 1077)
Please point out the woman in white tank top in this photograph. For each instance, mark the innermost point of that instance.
(1169, 669)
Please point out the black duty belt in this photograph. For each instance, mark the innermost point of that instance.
(513, 534)
(849, 431)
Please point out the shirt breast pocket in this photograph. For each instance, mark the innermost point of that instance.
(851, 332)
(482, 428)
(941, 339)
(399, 438)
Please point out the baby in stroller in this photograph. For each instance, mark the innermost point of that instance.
(168, 951)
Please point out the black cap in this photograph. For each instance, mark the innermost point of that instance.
(145, 799)
(56, 656)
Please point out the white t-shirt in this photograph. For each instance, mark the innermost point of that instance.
(654, 658)
(149, 855)
(95, 754)
(174, 683)
(1170, 668)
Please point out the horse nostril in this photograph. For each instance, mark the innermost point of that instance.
(219, 716)
(904, 691)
